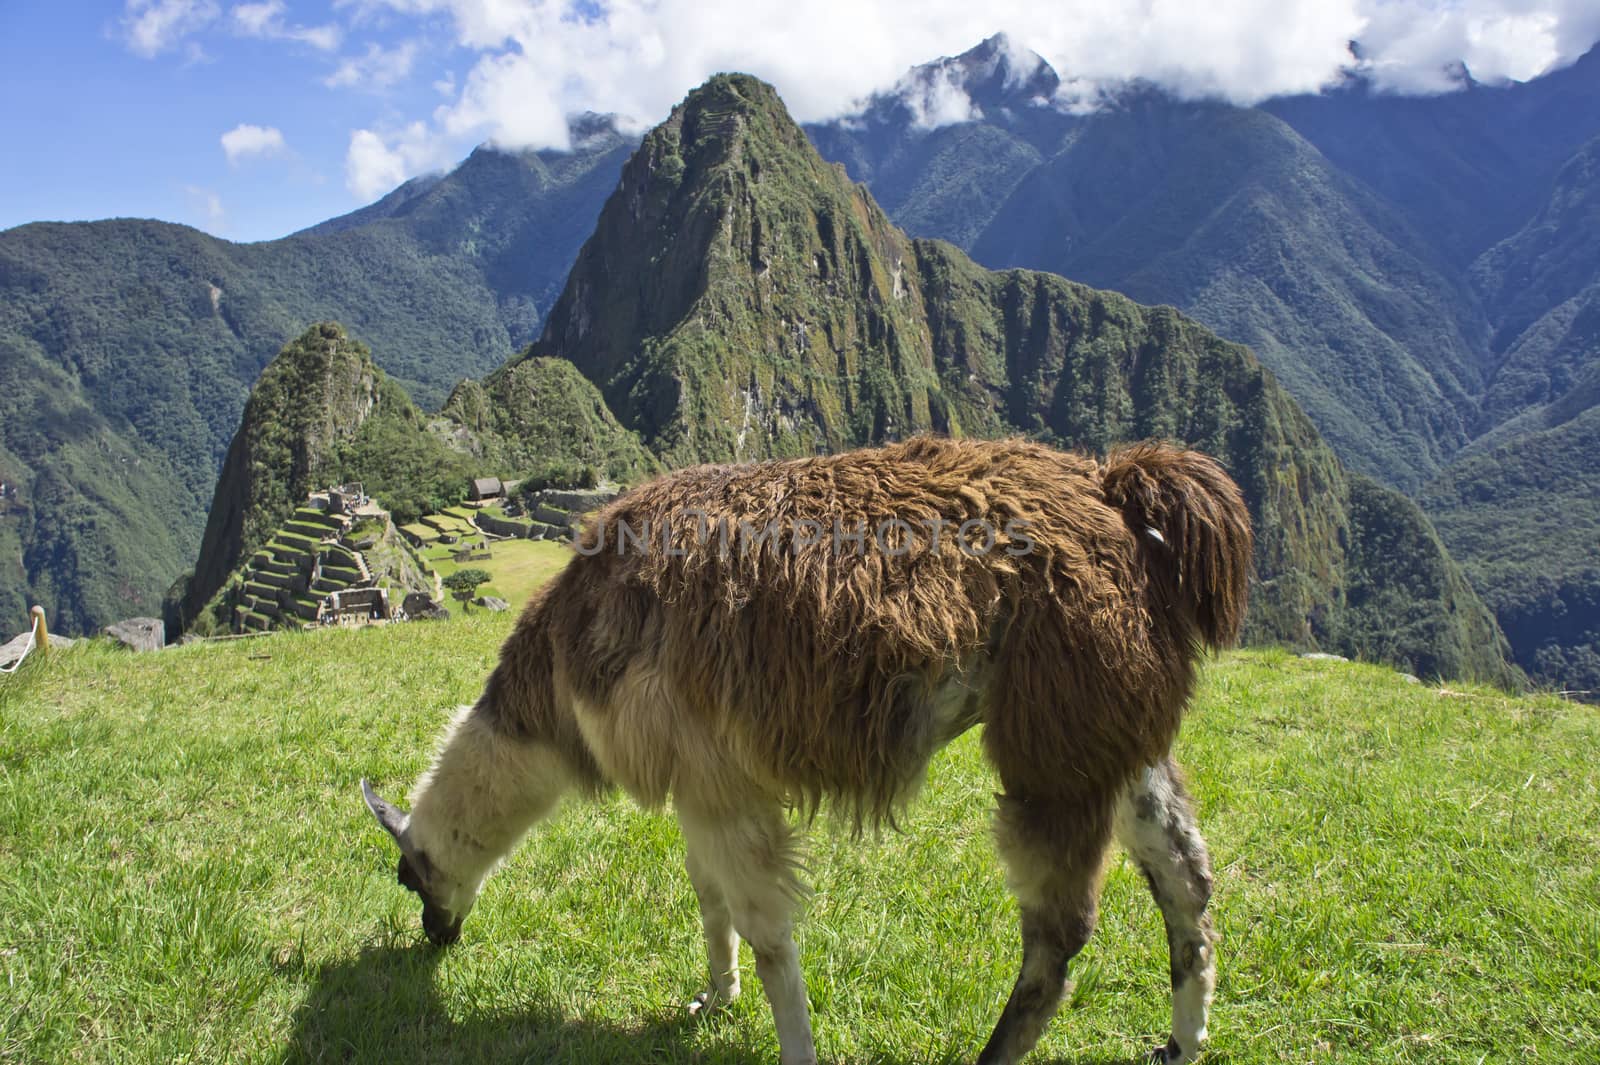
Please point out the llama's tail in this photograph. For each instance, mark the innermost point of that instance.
(1195, 528)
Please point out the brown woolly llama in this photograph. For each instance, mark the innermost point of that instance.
(751, 640)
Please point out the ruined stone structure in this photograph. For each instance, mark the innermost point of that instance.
(357, 606)
(553, 514)
(291, 580)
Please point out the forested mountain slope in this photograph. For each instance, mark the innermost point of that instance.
(127, 349)
(1420, 272)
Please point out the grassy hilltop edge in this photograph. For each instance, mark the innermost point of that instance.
(1404, 873)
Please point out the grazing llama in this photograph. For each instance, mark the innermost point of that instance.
(752, 640)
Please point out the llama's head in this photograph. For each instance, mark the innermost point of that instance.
(445, 900)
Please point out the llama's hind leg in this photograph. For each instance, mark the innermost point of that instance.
(1156, 823)
(1053, 851)
(722, 941)
(750, 855)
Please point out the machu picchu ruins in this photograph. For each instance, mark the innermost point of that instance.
(311, 571)
(341, 560)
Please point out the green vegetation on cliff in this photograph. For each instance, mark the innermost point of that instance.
(94, 523)
(1524, 515)
(534, 412)
(1408, 599)
(739, 297)
(1227, 213)
(408, 469)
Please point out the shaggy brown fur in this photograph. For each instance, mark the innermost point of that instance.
(1090, 636)
(725, 640)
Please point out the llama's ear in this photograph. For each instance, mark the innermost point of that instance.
(387, 813)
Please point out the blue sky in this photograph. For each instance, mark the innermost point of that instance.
(93, 129)
(251, 120)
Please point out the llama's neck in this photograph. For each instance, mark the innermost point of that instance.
(483, 792)
(504, 764)
(524, 698)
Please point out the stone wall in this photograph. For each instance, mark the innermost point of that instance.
(556, 513)
(579, 500)
(502, 526)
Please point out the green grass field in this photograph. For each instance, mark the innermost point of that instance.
(517, 568)
(187, 874)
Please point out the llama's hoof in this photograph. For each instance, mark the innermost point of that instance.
(1171, 1054)
(709, 1000)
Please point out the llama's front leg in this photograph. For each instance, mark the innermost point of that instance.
(1052, 851)
(750, 855)
(1156, 823)
(722, 941)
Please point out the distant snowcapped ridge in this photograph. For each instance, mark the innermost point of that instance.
(997, 75)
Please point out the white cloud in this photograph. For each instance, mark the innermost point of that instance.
(938, 100)
(246, 140)
(371, 167)
(205, 206)
(377, 68)
(265, 20)
(540, 60)
(150, 27)
(507, 99)
(252, 19)
(1413, 47)
(375, 164)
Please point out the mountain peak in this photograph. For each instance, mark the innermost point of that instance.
(312, 397)
(734, 89)
(592, 128)
(998, 80)
(997, 76)
(726, 109)
(1001, 68)
(727, 224)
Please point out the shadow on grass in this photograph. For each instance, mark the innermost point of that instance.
(384, 1007)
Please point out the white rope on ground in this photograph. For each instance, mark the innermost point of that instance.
(12, 668)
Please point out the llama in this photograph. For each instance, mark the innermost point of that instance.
(753, 641)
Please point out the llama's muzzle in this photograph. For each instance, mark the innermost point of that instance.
(442, 928)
